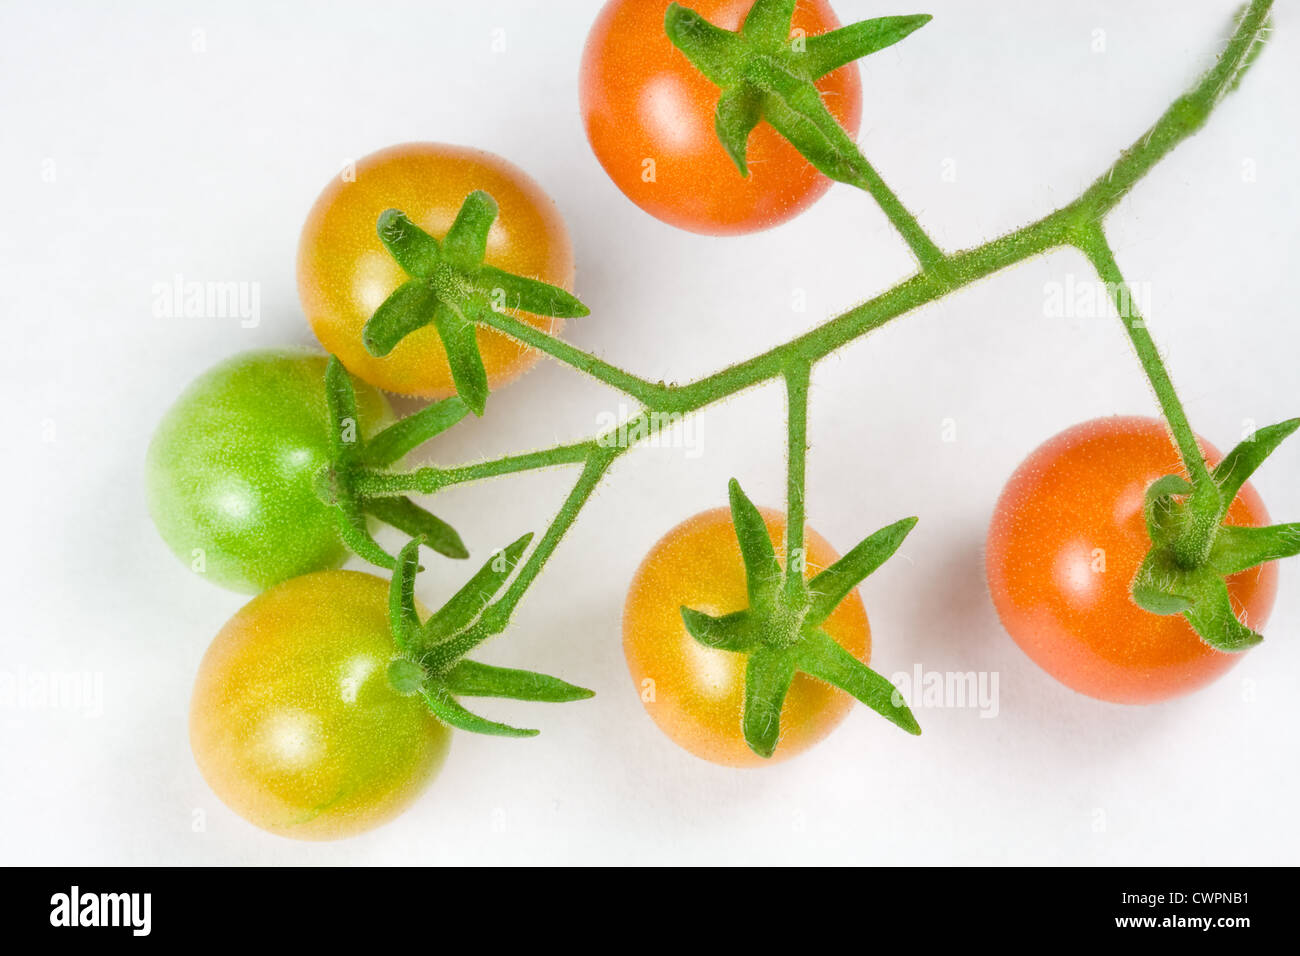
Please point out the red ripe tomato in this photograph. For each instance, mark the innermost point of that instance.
(649, 117)
(1066, 541)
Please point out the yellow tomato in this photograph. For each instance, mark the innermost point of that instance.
(696, 693)
(293, 721)
(345, 273)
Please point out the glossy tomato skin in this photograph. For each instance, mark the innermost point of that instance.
(293, 722)
(231, 470)
(695, 693)
(1065, 543)
(644, 103)
(345, 273)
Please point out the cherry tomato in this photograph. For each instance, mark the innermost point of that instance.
(649, 117)
(695, 693)
(345, 273)
(231, 471)
(293, 722)
(1066, 541)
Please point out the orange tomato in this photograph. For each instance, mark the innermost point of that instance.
(1066, 541)
(345, 273)
(695, 693)
(649, 117)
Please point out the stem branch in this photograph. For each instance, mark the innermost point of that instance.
(598, 462)
(796, 386)
(930, 256)
(1097, 249)
(1192, 547)
(1077, 224)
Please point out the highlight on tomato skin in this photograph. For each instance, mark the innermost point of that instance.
(293, 721)
(1066, 540)
(649, 116)
(345, 273)
(695, 694)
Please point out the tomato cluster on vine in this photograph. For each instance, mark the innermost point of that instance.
(1131, 567)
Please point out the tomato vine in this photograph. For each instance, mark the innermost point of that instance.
(1076, 224)
(761, 77)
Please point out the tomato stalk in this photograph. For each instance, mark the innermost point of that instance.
(1193, 545)
(596, 465)
(1192, 552)
(430, 479)
(1184, 117)
(1072, 224)
(796, 386)
(654, 395)
(960, 269)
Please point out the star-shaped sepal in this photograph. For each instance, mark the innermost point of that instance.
(431, 654)
(354, 459)
(765, 74)
(781, 631)
(451, 288)
(1172, 581)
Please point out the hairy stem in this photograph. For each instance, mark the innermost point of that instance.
(796, 386)
(930, 256)
(1187, 114)
(598, 462)
(1184, 117)
(1194, 545)
(1076, 223)
(1097, 249)
(648, 393)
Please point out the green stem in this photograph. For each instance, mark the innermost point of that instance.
(959, 270)
(1075, 223)
(650, 394)
(1193, 547)
(796, 386)
(947, 273)
(1184, 117)
(431, 479)
(497, 616)
(1097, 249)
(930, 256)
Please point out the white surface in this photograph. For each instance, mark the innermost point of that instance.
(170, 161)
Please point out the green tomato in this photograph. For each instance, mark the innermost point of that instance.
(231, 471)
(293, 721)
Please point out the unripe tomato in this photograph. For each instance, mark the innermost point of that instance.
(695, 693)
(231, 471)
(1065, 544)
(649, 117)
(345, 273)
(293, 722)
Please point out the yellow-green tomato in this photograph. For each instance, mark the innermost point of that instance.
(231, 471)
(293, 721)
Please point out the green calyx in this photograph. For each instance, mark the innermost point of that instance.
(781, 630)
(432, 653)
(765, 74)
(353, 481)
(1193, 552)
(451, 288)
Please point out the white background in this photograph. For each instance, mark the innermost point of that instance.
(169, 161)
